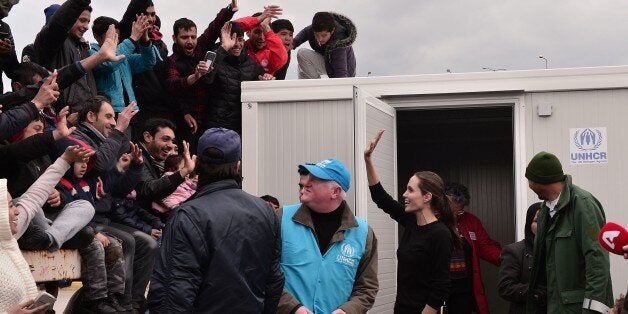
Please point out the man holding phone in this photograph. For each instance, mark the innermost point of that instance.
(187, 65)
(8, 57)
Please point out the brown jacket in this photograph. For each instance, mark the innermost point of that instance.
(366, 283)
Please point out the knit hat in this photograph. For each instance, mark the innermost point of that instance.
(545, 168)
(50, 11)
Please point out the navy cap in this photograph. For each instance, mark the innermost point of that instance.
(330, 169)
(225, 140)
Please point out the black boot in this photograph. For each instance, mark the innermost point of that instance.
(34, 238)
(81, 239)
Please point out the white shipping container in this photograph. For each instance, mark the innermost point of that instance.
(479, 129)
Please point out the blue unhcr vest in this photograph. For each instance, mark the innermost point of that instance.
(321, 283)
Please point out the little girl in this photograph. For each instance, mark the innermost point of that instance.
(165, 206)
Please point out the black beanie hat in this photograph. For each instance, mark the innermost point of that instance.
(545, 168)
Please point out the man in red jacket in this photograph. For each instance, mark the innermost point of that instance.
(263, 45)
(482, 246)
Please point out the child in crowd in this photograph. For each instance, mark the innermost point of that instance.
(102, 262)
(172, 164)
(126, 209)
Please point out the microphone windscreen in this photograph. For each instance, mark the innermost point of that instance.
(613, 238)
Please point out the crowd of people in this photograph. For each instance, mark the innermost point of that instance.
(132, 157)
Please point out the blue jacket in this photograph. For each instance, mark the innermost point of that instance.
(112, 76)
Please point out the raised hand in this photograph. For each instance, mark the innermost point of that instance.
(77, 154)
(62, 129)
(370, 147)
(234, 6)
(227, 40)
(270, 11)
(125, 116)
(48, 92)
(136, 154)
(265, 24)
(123, 162)
(189, 162)
(140, 27)
(107, 51)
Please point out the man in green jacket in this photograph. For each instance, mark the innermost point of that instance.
(567, 257)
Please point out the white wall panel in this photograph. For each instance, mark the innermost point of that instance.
(607, 182)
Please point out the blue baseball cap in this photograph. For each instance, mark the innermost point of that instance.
(330, 169)
(225, 140)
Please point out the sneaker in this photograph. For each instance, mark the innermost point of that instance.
(81, 239)
(34, 238)
(99, 306)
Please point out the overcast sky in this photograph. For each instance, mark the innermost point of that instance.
(404, 37)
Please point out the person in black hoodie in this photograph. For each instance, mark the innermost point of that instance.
(516, 262)
(61, 42)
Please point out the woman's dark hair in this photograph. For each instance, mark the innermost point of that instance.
(101, 25)
(172, 163)
(458, 192)
(323, 21)
(433, 183)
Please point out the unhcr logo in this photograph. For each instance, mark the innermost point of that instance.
(346, 255)
(588, 146)
(588, 139)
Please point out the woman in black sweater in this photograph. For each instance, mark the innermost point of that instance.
(428, 239)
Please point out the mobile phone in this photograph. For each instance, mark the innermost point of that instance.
(210, 57)
(43, 298)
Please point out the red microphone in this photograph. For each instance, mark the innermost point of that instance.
(613, 238)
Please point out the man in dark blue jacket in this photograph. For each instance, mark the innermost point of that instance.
(220, 250)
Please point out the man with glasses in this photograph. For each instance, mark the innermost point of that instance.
(329, 256)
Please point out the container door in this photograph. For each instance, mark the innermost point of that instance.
(371, 115)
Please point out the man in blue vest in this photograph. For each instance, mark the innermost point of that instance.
(329, 256)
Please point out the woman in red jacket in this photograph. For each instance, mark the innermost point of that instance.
(482, 246)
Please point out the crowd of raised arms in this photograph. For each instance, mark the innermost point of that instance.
(131, 156)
